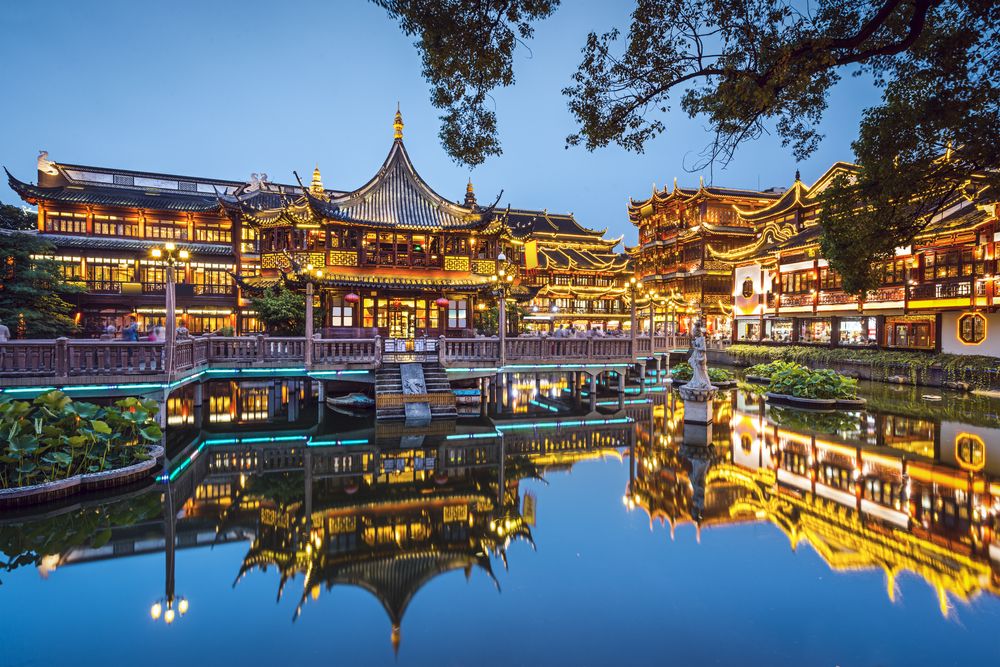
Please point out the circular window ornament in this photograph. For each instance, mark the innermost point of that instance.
(748, 288)
(972, 328)
(970, 450)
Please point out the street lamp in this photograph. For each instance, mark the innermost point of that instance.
(309, 275)
(503, 282)
(164, 608)
(170, 256)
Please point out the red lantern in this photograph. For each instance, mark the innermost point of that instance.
(442, 302)
(352, 298)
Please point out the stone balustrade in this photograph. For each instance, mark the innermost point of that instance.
(68, 358)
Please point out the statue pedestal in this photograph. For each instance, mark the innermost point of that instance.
(697, 404)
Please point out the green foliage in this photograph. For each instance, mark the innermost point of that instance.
(54, 437)
(682, 372)
(27, 543)
(766, 370)
(33, 289)
(281, 310)
(467, 50)
(14, 217)
(979, 371)
(800, 382)
(489, 321)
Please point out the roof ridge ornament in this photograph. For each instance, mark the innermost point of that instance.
(397, 124)
(470, 195)
(45, 165)
(316, 187)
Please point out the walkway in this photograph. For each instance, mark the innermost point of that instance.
(74, 363)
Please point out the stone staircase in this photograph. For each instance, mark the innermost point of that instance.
(389, 396)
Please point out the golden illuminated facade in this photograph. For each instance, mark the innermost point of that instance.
(392, 257)
(676, 228)
(878, 491)
(937, 294)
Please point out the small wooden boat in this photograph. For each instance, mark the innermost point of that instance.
(354, 400)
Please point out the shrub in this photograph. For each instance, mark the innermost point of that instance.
(978, 370)
(770, 368)
(682, 373)
(55, 437)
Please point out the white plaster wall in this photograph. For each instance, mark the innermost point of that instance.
(952, 345)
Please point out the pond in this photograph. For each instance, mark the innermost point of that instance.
(542, 533)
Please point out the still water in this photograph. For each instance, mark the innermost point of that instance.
(546, 533)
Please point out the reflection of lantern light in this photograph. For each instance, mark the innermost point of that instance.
(442, 302)
(352, 298)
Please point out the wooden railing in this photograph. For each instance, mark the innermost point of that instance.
(98, 358)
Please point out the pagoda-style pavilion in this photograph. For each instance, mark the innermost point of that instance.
(392, 257)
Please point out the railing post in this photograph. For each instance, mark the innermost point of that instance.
(441, 352)
(62, 357)
(378, 351)
(260, 347)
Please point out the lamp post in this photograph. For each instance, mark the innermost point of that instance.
(170, 606)
(171, 256)
(310, 275)
(503, 281)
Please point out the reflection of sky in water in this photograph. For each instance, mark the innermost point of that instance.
(606, 584)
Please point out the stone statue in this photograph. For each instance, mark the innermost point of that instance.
(698, 359)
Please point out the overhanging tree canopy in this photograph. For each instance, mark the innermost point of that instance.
(750, 67)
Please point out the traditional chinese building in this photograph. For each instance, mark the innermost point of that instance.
(676, 227)
(391, 257)
(937, 294)
(578, 278)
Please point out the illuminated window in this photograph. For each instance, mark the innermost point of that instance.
(972, 328)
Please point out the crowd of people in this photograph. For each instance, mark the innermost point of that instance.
(131, 332)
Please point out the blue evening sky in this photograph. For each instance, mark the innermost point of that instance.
(217, 89)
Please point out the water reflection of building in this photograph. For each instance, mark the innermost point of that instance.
(385, 509)
(877, 491)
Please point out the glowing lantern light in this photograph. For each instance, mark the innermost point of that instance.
(352, 298)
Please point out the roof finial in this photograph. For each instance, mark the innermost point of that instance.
(675, 182)
(316, 187)
(701, 181)
(797, 176)
(470, 196)
(397, 124)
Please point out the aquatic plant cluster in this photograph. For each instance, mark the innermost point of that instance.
(977, 370)
(801, 382)
(54, 437)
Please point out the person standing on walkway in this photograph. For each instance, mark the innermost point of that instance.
(131, 331)
(4, 333)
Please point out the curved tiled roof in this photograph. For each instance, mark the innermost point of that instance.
(398, 197)
(110, 196)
